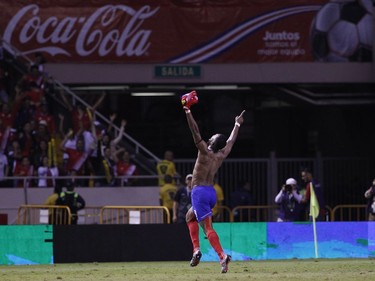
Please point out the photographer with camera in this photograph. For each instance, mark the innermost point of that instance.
(289, 201)
(370, 196)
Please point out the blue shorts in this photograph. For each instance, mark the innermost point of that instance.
(203, 199)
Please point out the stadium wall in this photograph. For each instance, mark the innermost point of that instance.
(46, 244)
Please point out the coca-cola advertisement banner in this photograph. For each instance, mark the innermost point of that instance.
(191, 31)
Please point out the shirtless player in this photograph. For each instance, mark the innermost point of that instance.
(211, 155)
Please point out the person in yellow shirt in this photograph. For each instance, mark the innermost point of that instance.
(167, 193)
(51, 201)
(216, 211)
(166, 167)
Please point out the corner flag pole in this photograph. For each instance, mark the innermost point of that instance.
(314, 212)
(315, 239)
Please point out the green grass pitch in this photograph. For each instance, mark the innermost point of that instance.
(321, 269)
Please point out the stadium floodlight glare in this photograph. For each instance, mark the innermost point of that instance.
(163, 86)
(220, 87)
(152, 94)
(100, 88)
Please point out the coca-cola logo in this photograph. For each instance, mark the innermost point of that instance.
(98, 33)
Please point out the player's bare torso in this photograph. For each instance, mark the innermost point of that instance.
(206, 167)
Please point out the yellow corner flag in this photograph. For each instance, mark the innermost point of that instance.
(314, 204)
(314, 213)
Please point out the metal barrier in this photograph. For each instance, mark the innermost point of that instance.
(224, 214)
(349, 213)
(134, 215)
(329, 213)
(266, 176)
(262, 213)
(47, 214)
(89, 215)
(43, 214)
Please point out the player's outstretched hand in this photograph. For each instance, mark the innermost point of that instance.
(189, 99)
(239, 119)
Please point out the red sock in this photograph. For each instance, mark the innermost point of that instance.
(194, 234)
(214, 239)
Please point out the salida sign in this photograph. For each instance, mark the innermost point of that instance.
(177, 71)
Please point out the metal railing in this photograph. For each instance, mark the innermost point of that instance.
(349, 213)
(223, 214)
(254, 213)
(43, 214)
(46, 214)
(134, 215)
(89, 215)
(341, 178)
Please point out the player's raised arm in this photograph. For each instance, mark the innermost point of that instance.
(233, 136)
(187, 101)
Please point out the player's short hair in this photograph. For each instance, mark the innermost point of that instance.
(219, 143)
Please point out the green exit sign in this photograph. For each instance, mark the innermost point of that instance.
(177, 71)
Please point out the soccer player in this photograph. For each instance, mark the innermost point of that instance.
(211, 155)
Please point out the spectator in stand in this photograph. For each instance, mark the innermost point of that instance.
(36, 95)
(308, 178)
(217, 212)
(80, 116)
(60, 130)
(114, 142)
(42, 114)
(70, 142)
(23, 169)
(33, 76)
(76, 158)
(182, 201)
(40, 152)
(107, 169)
(47, 173)
(41, 132)
(370, 196)
(4, 167)
(104, 140)
(124, 168)
(6, 115)
(4, 170)
(26, 140)
(166, 167)
(14, 155)
(100, 159)
(289, 200)
(167, 193)
(242, 196)
(23, 112)
(4, 133)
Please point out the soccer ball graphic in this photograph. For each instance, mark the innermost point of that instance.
(342, 31)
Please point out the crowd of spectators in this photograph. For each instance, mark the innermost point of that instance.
(38, 143)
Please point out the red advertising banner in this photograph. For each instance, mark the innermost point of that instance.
(195, 31)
